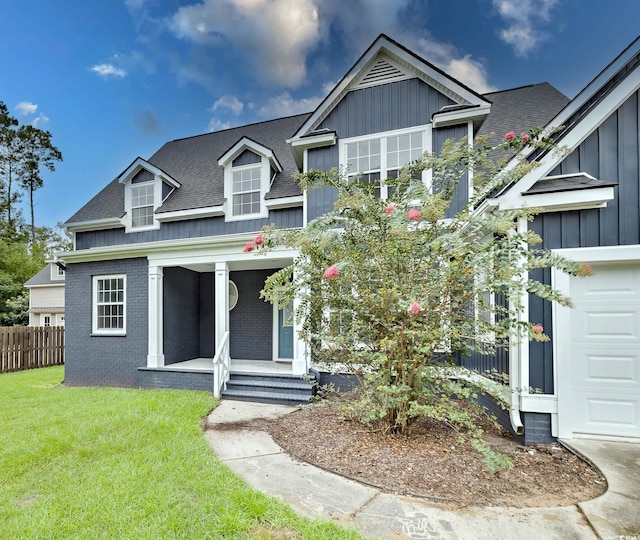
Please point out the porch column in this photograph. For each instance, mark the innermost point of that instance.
(221, 302)
(301, 358)
(155, 356)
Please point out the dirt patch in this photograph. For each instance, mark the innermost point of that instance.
(433, 464)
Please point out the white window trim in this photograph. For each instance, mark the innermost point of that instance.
(265, 184)
(157, 201)
(427, 145)
(94, 307)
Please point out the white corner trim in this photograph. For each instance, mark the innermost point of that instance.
(284, 202)
(461, 116)
(193, 213)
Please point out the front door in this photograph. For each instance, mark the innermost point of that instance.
(285, 332)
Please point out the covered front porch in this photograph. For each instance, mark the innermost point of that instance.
(206, 317)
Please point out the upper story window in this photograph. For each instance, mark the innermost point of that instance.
(142, 205)
(249, 170)
(145, 189)
(373, 159)
(246, 189)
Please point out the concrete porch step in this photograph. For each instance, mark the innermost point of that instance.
(284, 389)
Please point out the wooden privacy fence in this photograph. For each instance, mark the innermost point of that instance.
(28, 347)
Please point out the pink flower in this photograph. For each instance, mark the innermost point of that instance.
(414, 215)
(492, 133)
(389, 209)
(249, 247)
(537, 329)
(415, 307)
(510, 136)
(331, 272)
(524, 137)
(586, 270)
(258, 240)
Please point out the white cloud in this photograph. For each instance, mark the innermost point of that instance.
(273, 35)
(215, 124)
(108, 70)
(134, 4)
(523, 20)
(26, 108)
(230, 103)
(285, 105)
(41, 121)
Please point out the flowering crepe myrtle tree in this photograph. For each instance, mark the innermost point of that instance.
(392, 290)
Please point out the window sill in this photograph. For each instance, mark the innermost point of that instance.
(105, 334)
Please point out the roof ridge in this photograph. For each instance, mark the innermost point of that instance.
(519, 88)
(239, 127)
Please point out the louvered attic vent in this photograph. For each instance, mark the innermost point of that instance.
(382, 72)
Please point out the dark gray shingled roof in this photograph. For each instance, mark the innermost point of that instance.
(567, 183)
(194, 163)
(44, 278)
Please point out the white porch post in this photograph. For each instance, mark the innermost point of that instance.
(155, 356)
(221, 301)
(301, 358)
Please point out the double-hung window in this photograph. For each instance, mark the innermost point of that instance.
(372, 160)
(109, 307)
(246, 185)
(142, 201)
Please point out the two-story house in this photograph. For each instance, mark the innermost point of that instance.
(46, 296)
(158, 282)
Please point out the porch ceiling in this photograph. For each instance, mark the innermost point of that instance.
(252, 263)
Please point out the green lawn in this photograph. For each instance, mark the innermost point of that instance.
(126, 464)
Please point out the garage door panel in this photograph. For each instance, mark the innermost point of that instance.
(604, 376)
(607, 416)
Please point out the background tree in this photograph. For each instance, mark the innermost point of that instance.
(392, 291)
(37, 152)
(10, 158)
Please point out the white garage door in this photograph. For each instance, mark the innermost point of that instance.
(605, 351)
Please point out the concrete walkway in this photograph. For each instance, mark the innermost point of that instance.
(235, 435)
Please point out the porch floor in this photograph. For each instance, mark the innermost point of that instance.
(237, 366)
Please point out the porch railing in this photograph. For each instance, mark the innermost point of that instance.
(221, 366)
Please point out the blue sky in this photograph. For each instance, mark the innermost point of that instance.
(115, 79)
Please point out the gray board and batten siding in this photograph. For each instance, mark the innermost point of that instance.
(372, 110)
(190, 228)
(611, 153)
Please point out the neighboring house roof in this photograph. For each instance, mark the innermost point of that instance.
(193, 163)
(43, 277)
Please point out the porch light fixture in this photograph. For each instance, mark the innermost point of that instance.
(233, 295)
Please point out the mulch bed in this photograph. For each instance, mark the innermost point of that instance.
(432, 462)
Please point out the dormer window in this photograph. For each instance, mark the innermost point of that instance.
(249, 170)
(142, 205)
(145, 189)
(246, 189)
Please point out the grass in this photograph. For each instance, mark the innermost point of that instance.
(115, 463)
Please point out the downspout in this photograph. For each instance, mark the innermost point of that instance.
(516, 350)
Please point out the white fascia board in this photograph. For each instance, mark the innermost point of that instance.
(140, 163)
(284, 202)
(249, 144)
(541, 403)
(95, 225)
(147, 249)
(578, 199)
(596, 254)
(43, 285)
(578, 133)
(450, 87)
(194, 213)
(596, 83)
(450, 118)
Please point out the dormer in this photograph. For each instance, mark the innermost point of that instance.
(146, 187)
(249, 171)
